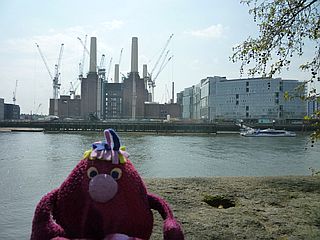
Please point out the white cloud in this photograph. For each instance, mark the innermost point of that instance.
(214, 31)
(111, 25)
(143, 59)
(195, 64)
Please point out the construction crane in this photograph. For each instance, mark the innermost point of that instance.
(151, 80)
(102, 69)
(166, 95)
(161, 54)
(120, 57)
(84, 44)
(163, 65)
(109, 68)
(55, 77)
(73, 89)
(37, 110)
(44, 61)
(14, 93)
(56, 84)
(103, 57)
(85, 50)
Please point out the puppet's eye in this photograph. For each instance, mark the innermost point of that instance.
(116, 173)
(92, 172)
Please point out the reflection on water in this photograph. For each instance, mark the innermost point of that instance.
(32, 164)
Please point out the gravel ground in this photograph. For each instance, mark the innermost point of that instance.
(265, 207)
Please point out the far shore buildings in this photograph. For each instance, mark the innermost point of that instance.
(101, 99)
(9, 111)
(259, 99)
(212, 99)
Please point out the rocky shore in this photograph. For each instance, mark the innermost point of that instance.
(242, 207)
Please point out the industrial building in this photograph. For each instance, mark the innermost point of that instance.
(101, 99)
(9, 111)
(112, 105)
(261, 99)
(67, 107)
(89, 86)
(162, 111)
(1, 109)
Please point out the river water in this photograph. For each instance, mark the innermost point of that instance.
(32, 164)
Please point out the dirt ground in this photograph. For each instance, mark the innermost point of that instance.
(264, 207)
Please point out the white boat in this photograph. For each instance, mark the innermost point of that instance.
(269, 132)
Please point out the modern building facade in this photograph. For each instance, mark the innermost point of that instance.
(187, 103)
(251, 98)
(313, 107)
(196, 101)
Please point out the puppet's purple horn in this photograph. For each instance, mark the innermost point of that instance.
(108, 133)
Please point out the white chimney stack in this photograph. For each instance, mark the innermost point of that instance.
(93, 55)
(116, 73)
(172, 97)
(145, 71)
(134, 55)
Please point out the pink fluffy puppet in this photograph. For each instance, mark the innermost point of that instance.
(103, 198)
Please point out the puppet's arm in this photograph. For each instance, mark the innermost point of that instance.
(43, 225)
(171, 228)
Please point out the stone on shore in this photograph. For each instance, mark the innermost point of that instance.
(264, 207)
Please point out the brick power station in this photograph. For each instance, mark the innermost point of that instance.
(100, 99)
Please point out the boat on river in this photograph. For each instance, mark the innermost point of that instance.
(269, 132)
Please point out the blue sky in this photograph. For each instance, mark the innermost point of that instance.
(204, 33)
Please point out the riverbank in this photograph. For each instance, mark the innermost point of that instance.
(18, 129)
(146, 126)
(265, 207)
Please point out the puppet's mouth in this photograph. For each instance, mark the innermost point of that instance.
(102, 188)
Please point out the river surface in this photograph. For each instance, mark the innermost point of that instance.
(32, 164)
